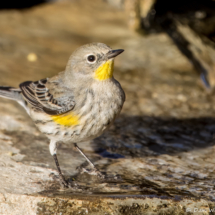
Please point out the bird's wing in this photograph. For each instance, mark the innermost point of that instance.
(38, 95)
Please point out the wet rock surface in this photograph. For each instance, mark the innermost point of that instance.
(158, 156)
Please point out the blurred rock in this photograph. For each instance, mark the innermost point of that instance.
(203, 51)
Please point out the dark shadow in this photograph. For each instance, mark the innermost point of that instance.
(21, 4)
(183, 11)
(152, 136)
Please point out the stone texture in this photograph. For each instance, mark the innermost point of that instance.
(161, 147)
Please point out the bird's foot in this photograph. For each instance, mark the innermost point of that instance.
(68, 184)
(92, 171)
(65, 184)
(101, 176)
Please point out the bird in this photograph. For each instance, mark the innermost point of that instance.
(75, 105)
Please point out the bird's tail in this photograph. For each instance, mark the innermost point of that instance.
(11, 93)
(14, 94)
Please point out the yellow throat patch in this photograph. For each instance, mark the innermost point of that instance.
(105, 71)
(68, 119)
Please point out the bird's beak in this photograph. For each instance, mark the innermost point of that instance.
(114, 53)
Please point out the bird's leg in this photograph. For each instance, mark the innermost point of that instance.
(62, 179)
(53, 151)
(94, 171)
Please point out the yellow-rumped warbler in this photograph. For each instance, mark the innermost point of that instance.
(76, 105)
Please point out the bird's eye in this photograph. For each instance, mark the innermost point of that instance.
(91, 58)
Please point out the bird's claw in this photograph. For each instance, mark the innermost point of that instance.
(92, 171)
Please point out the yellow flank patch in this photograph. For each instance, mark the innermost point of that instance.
(105, 71)
(68, 119)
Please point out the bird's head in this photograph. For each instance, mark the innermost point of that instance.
(94, 61)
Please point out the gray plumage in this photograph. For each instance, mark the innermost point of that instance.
(77, 104)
